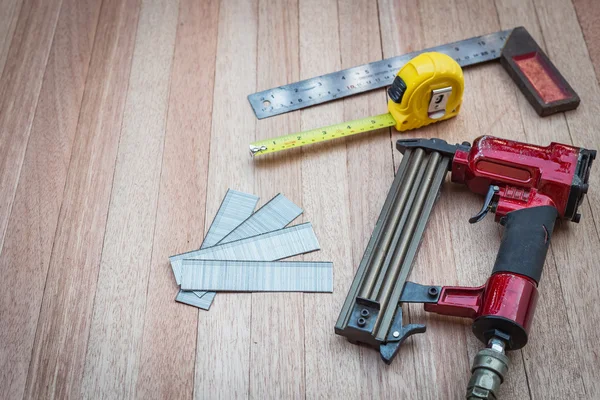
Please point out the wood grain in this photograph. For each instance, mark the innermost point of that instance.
(118, 146)
(588, 12)
(170, 328)
(360, 42)
(575, 262)
(223, 346)
(277, 319)
(26, 253)
(63, 327)
(9, 14)
(19, 92)
(551, 315)
(332, 364)
(114, 344)
(569, 52)
(457, 20)
(438, 372)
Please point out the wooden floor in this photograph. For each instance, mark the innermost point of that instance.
(122, 125)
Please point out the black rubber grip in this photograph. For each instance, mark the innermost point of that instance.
(525, 241)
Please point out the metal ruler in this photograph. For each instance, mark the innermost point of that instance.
(364, 78)
(257, 276)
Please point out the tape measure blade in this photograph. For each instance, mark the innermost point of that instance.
(366, 77)
(323, 134)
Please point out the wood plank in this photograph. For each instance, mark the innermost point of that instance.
(26, 254)
(571, 245)
(360, 42)
(20, 87)
(117, 323)
(237, 338)
(549, 323)
(452, 240)
(9, 14)
(63, 328)
(277, 318)
(496, 117)
(566, 48)
(588, 13)
(224, 332)
(435, 263)
(332, 364)
(170, 328)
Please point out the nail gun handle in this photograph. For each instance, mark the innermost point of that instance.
(525, 241)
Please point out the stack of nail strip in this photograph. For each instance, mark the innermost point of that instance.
(241, 250)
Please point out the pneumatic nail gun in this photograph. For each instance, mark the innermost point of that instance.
(527, 187)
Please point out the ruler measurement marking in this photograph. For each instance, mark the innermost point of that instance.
(322, 134)
(351, 81)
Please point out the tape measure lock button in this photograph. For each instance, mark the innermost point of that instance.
(397, 90)
(434, 86)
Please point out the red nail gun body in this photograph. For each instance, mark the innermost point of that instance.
(528, 187)
(526, 175)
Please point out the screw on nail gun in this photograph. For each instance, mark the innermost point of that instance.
(427, 89)
(527, 187)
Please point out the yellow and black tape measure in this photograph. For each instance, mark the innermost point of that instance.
(427, 89)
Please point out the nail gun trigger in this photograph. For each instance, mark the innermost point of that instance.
(397, 335)
(487, 204)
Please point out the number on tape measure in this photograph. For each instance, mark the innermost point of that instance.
(321, 134)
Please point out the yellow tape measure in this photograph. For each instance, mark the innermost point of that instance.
(427, 89)
(322, 134)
